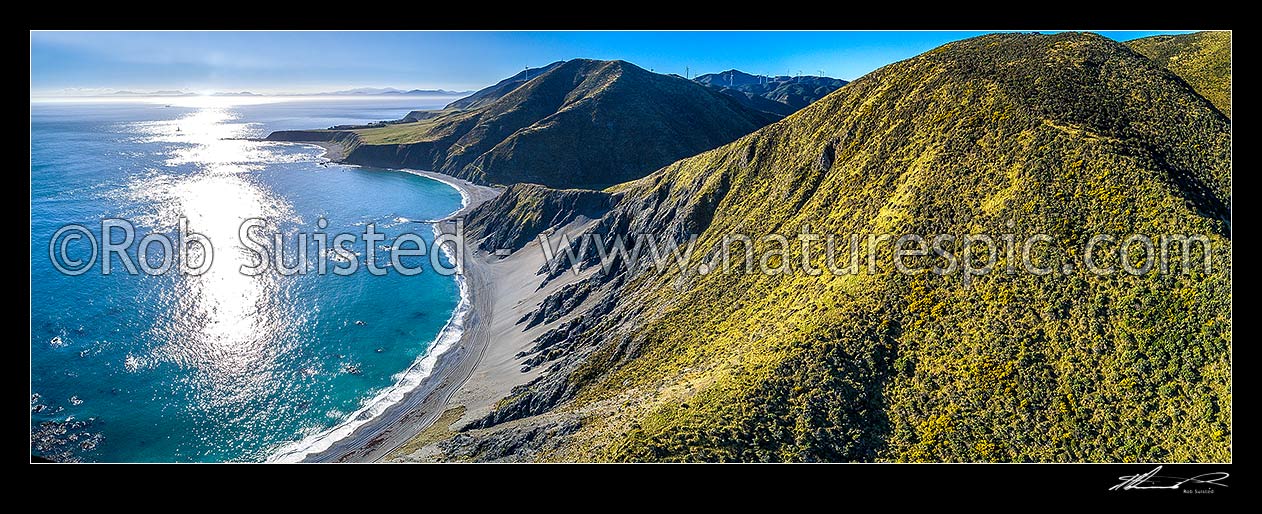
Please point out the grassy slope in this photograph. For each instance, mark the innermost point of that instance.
(581, 124)
(1068, 135)
(1202, 59)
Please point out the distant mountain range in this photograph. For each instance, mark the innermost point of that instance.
(779, 96)
(150, 93)
(782, 95)
(579, 123)
(361, 91)
(392, 91)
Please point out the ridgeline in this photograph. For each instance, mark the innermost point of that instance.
(1069, 135)
(581, 123)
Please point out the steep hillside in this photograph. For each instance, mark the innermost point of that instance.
(525, 210)
(781, 95)
(586, 124)
(501, 88)
(1202, 59)
(1068, 135)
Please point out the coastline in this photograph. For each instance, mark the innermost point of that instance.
(421, 395)
(465, 378)
(421, 406)
(332, 151)
(505, 290)
(471, 195)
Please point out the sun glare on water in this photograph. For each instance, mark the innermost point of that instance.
(226, 325)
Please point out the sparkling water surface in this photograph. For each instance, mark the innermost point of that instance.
(221, 366)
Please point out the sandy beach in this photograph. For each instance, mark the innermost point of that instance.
(332, 151)
(479, 369)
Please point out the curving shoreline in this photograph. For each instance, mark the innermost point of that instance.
(449, 363)
(422, 405)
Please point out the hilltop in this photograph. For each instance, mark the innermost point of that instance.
(1202, 59)
(499, 89)
(1068, 135)
(582, 123)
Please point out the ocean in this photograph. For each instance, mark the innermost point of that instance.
(221, 366)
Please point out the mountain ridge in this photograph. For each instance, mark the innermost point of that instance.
(782, 95)
(1069, 134)
(583, 123)
(1203, 59)
(499, 89)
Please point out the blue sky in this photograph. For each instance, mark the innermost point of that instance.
(272, 62)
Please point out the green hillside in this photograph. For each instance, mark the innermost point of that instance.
(1202, 59)
(582, 123)
(1068, 135)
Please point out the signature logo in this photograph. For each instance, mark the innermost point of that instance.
(1151, 480)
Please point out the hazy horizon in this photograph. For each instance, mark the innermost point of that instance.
(177, 94)
(302, 63)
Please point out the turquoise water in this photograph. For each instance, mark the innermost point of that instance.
(222, 366)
